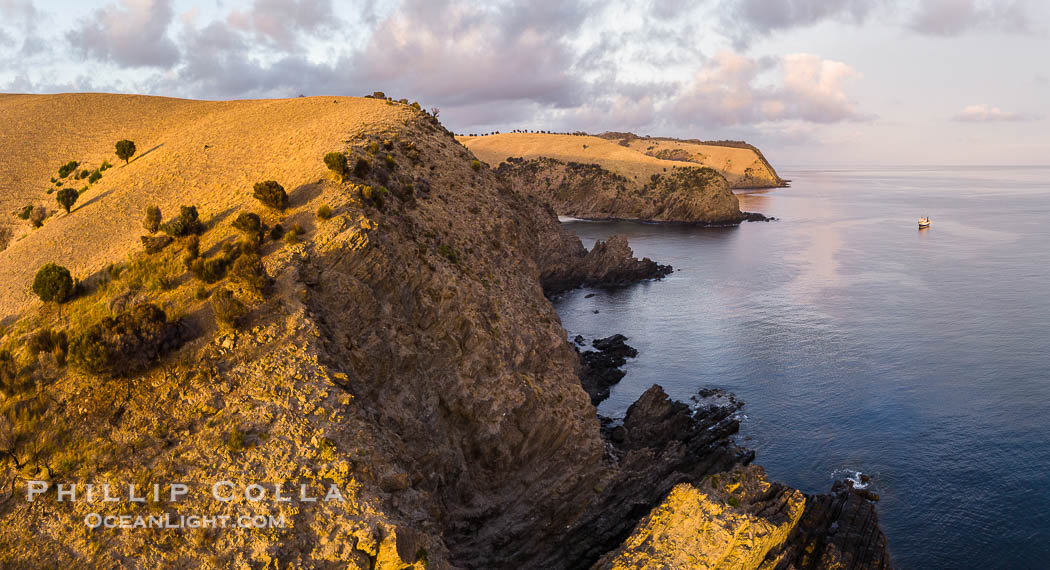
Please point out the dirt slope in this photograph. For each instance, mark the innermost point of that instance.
(189, 152)
(636, 159)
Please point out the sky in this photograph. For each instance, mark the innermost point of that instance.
(811, 82)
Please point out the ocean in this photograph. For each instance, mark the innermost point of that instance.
(862, 344)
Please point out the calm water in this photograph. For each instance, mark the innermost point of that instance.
(861, 343)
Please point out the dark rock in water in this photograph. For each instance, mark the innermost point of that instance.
(615, 344)
(600, 370)
(755, 217)
(578, 339)
(589, 295)
(596, 311)
(609, 263)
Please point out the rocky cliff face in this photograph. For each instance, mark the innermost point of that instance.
(404, 351)
(687, 194)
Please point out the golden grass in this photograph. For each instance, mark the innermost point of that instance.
(203, 153)
(631, 162)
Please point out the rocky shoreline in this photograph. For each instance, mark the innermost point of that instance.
(678, 462)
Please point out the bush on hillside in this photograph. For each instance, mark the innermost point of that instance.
(53, 283)
(292, 235)
(151, 221)
(187, 223)
(475, 164)
(26, 212)
(228, 310)
(125, 150)
(324, 212)
(37, 216)
(337, 163)
(271, 194)
(248, 270)
(66, 198)
(94, 177)
(122, 345)
(67, 168)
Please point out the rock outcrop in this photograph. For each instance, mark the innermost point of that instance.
(696, 195)
(600, 369)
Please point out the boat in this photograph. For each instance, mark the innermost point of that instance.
(924, 222)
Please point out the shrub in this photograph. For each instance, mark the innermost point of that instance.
(361, 168)
(447, 252)
(105, 166)
(373, 147)
(82, 174)
(390, 162)
(202, 292)
(125, 150)
(154, 244)
(417, 106)
(66, 198)
(46, 340)
(58, 184)
(67, 168)
(53, 180)
(210, 270)
(235, 443)
(475, 164)
(37, 216)
(248, 270)
(151, 221)
(53, 283)
(249, 223)
(293, 234)
(337, 163)
(324, 212)
(94, 177)
(26, 212)
(187, 223)
(125, 344)
(271, 194)
(277, 232)
(228, 310)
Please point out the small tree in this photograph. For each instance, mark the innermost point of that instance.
(67, 197)
(151, 222)
(53, 283)
(336, 162)
(187, 223)
(271, 194)
(38, 215)
(125, 150)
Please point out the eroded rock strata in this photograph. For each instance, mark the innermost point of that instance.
(697, 195)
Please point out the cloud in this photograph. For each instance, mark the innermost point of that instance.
(983, 113)
(954, 17)
(131, 34)
(462, 53)
(768, 15)
(727, 91)
(281, 22)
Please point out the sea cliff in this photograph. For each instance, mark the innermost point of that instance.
(401, 347)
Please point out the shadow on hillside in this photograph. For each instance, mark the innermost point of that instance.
(93, 200)
(217, 219)
(144, 154)
(303, 194)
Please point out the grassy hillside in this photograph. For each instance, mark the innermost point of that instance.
(634, 158)
(189, 152)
